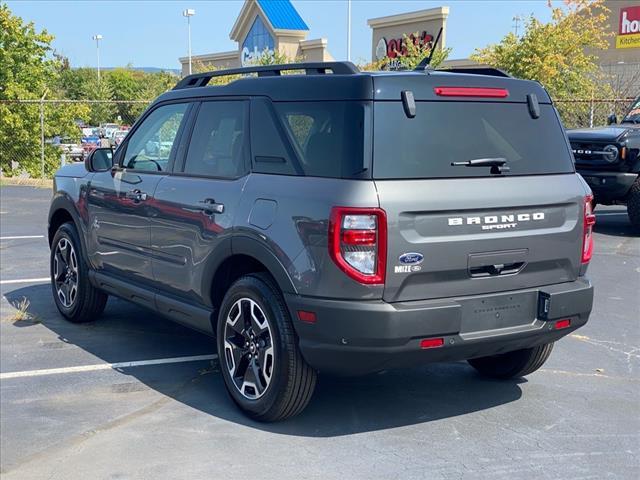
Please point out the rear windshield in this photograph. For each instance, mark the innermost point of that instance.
(445, 132)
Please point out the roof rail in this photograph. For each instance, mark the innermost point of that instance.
(493, 72)
(310, 68)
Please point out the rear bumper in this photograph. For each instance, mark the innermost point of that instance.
(608, 186)
(358, 337)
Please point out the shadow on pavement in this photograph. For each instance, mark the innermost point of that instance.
(340, 406)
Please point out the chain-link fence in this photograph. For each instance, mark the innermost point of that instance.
(36, 136)
(591, 113)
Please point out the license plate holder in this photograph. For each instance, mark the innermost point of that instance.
(498, 311)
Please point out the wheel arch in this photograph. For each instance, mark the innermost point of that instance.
(63, 210)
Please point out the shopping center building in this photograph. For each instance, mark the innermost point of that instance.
(275, 25)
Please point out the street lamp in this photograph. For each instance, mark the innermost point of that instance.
(97, 38)
(189, 12)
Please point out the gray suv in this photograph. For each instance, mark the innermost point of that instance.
(336, 221)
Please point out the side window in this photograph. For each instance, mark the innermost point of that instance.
(218, 146)
(271, 151)
(150, 146)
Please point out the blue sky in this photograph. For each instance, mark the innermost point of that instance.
(154, 33)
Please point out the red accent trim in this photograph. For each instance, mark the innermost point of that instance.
(431, 343)
(588, 223)
(334, 243)
(564, 323)
(471, 92)
(359, 237)
(307, 317)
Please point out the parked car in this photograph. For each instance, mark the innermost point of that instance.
(337, 221)
(107, 129)
(89, 144)
(117, 136)
(609, 160)
(72, 150)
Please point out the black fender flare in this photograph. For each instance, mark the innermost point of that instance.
(62, 201)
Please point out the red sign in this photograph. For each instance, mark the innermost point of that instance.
(396, 46)
(629, 21)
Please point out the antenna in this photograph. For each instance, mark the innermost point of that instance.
(424, 64)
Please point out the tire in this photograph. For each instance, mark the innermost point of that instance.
(633, 204)
(272, 382)
(518, 363)
(87, 303)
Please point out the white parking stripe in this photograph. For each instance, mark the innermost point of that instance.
(25, 280)
(105, 366)
(21, 237)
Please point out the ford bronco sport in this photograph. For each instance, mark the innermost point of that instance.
(335, 221)
(609, 160)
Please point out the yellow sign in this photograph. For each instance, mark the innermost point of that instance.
(628, 41)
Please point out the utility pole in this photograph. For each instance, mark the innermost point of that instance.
(97, 38)
(516, 23)
(189, 12)
(349, 30)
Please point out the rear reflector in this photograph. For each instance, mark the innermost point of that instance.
(307, 317)
(564, 323)
(431, 343)
(471, 92)
(588, 222)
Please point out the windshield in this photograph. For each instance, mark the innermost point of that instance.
(444, 136)
(634, 113)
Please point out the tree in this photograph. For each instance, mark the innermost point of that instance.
(558, 54)
(28, 71)
(413, 52)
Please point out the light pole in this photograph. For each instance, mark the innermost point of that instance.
(349, 30)
(97, 38)
(189, 12)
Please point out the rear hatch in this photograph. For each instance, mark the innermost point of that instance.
(456, 230)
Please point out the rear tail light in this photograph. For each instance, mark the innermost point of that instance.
(564, 323)
(588, 223)
(431, 343)
(358, 243)
(471, 92)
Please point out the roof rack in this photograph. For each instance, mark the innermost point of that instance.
(310, 68)
(493, 72)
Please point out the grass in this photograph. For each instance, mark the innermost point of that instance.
(22, 313)
(30, 182)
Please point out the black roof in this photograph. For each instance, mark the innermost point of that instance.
(343, 81)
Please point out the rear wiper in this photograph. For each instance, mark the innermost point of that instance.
(498, 165)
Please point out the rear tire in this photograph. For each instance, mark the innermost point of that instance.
(518, 363)
(77, 300)
(633, 204)
(260, 361)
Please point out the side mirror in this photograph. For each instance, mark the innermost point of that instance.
(611, 119)
(100, 160)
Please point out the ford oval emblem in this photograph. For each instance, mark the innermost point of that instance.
(412, 258)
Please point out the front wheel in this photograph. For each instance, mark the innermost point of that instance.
(513, 364)
(261, 363)
(633, 204)
(77, 300)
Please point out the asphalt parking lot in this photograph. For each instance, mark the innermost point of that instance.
(95, 416)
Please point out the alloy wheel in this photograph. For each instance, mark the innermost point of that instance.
(248, 348)
(65, 272)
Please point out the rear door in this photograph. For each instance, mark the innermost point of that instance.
(456, 230)
(194, 208)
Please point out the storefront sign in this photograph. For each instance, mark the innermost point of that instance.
(396, 47)
(629, 28)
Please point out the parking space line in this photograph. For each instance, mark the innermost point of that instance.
(21, 237)
(25, 280)
(105, 366)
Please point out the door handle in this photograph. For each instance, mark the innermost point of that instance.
(210, 207)
(137, 195)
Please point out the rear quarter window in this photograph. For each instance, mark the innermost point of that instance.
(446, 132)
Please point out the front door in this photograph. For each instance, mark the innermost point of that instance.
(118, 200)
(196, 205)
